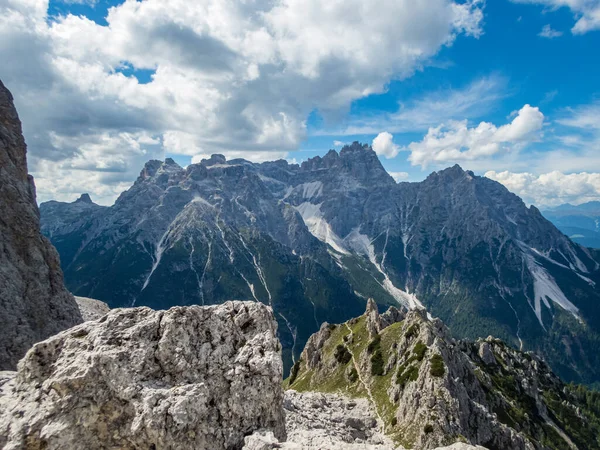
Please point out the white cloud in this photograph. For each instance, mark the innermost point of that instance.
(457, 142)
(383, 144)
(97, 162)
(473, 100)
(587, 12)
(338, 143)
(549, 33)
(399, 176)
(551, 189)
(254, 156)
(235, 76)
(586, 117)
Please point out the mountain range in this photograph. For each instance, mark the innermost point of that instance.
(316, 239)
(580, 222)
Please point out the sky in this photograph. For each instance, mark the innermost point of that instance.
(507, 88)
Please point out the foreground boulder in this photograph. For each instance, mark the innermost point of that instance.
(34, 303)
(187, 378)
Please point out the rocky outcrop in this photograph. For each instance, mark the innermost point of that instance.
(428, 390)
(34, 302)
(91, 309)
(187, 378)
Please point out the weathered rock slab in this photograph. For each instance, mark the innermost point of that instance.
(91, 309)
(187, 378)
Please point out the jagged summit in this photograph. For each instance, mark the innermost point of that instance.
(214, 159)
(455, 172)
(84, 198)
(355, 147)
(150, 169)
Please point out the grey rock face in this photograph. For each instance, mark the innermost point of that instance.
(91, 309)
(486, 354)
(187, 378)
(34, 302)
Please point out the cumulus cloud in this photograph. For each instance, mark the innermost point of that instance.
(224, 76)
(551, 189)
(549, 33)
(457, 142)
(399, 176)
(254, 156)
(587, 12)
(383, 144)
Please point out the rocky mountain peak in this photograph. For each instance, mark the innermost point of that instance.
(454, 239)
(84, 198)
(356, 161)
(150, 169)
(456, 172)
(214, 160)
(355, 147)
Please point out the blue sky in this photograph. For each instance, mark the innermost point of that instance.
(508, 89)
(554, 74)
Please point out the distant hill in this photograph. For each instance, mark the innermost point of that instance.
(580, 222)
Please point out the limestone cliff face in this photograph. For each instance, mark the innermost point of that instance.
(34, 302)
(430, 390)
(187, 378)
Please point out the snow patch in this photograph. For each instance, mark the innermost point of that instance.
(318, 226)
(361, 243)
(546, 255)
(312, 189)
(545, 288)
(156, 261)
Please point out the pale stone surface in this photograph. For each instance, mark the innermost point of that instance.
(34, 302)
(91, 309)
(324, 421)
(187, 378)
